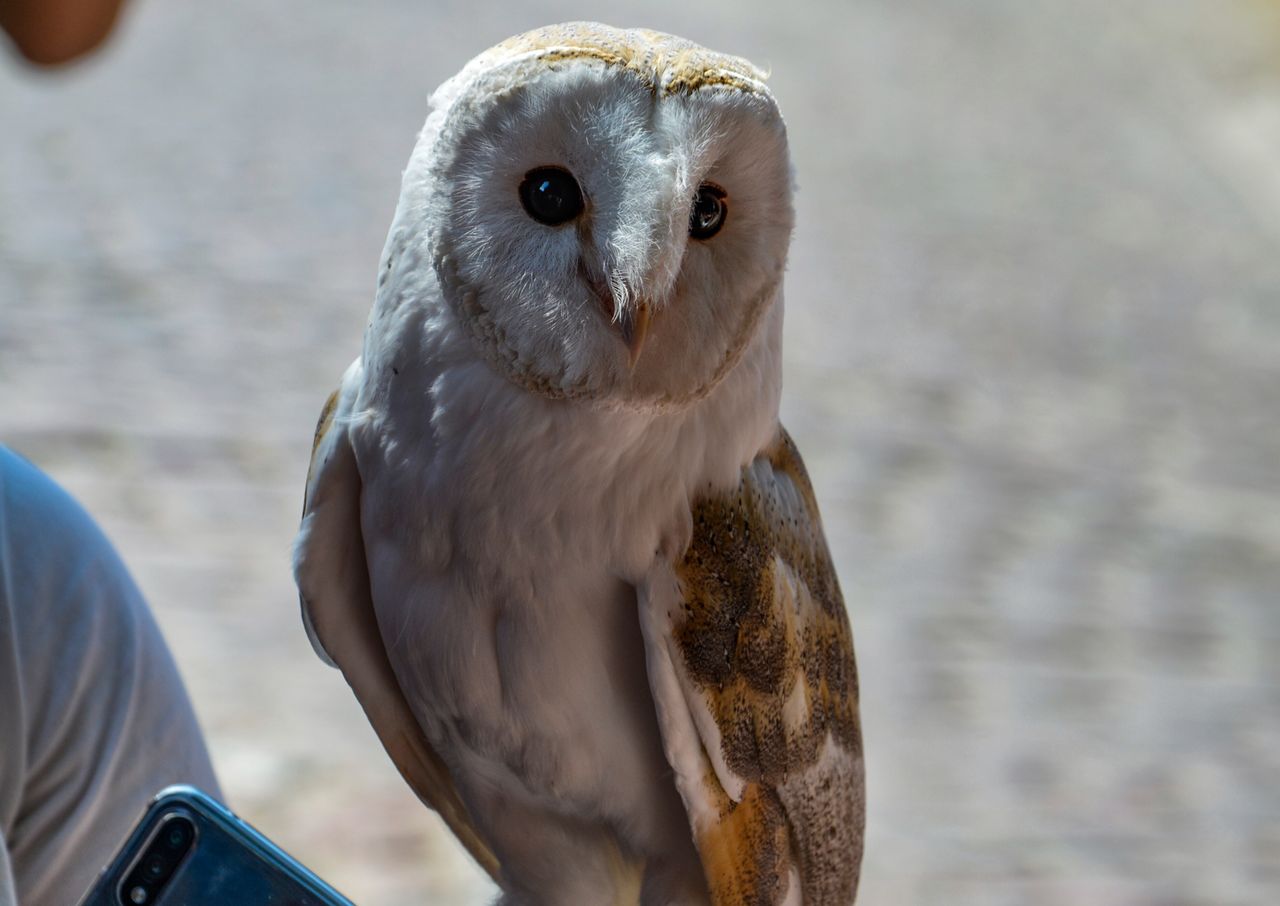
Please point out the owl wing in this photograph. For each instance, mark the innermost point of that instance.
(750, 659)
(337, 610)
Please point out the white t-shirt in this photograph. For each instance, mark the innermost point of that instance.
(94, 719)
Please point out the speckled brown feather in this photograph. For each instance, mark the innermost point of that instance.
(765, 642)
(666, 63)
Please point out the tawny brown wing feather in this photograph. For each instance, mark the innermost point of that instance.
(338, 613)
(751, 661)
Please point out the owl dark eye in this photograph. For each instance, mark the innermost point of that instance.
(551, 195)
(709, 210)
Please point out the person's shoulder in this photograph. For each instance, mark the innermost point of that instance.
(35, 511)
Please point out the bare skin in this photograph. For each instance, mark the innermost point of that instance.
(53, 32)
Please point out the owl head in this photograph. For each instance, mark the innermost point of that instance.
(606, 211)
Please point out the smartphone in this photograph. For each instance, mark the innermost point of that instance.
(190, 850)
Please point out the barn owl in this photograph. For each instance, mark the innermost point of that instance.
(554, 535)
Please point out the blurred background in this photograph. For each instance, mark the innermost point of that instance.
(1033, 363)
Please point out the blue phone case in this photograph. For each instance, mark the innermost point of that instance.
(226, 862)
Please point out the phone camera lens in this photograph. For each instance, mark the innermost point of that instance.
(166, 850)
(177, 835)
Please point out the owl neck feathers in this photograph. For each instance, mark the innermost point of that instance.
(570, 463)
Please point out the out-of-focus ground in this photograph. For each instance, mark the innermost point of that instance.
(1033, 363)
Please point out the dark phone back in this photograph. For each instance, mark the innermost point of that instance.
(226, 862)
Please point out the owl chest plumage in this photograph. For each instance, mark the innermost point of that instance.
(505, 534)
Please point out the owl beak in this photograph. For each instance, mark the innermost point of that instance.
(633, 326)
(630, 320)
